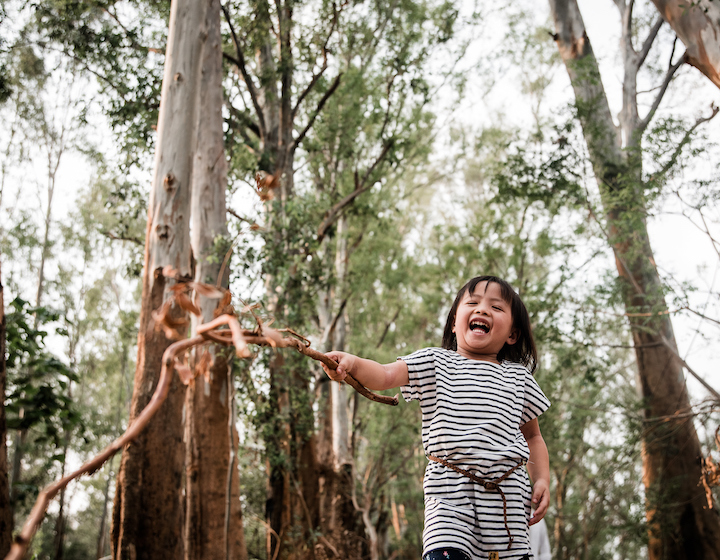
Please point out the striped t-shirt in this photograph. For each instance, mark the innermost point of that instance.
(472, 411)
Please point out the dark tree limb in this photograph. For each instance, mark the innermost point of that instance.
(242, 117)
(686, 138)
(649, 40)
(240, 63)
(316, 77)
(321, 104)
(672, 68)
(360, 187)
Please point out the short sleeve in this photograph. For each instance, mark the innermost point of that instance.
(421, 375)
(535, 400)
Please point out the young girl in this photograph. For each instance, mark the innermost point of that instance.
(479, 404)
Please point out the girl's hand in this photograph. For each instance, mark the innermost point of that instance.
(346, 364)
(540, 501)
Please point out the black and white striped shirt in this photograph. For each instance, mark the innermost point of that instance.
(472, 411)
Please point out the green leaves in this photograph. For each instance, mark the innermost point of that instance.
(38, 396)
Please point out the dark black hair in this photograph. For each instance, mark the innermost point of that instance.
(523, 351)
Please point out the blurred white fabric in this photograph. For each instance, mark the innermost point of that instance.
(539, 541)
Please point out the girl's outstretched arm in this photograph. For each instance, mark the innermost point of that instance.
(375, 376)
(538, 469)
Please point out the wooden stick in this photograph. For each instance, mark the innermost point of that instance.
(207, 331)
(22, 540)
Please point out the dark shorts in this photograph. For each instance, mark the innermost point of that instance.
(449, 554)
(446, 554)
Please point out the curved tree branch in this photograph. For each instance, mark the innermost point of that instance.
(233, 335)
(360, 187)
(645, 50)
(672, 68)
(240, 63)
(321, 104)
(686, 138)
(316, 77)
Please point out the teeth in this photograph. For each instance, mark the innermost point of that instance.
(479, 325)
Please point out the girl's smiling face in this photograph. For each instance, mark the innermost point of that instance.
(483, 323)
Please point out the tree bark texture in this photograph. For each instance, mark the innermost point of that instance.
(680, 526)
(697, 25)
(292, 486)
(148, 512)
(211, 532)
(6, 517)
(339, 521)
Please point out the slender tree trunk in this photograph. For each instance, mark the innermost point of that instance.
(209, 455)
(148, 512)
(52, 168)
(697, 25)
(6, 518)
(681, 527)
(338, 519)
(291, 509)
(102, 531)
(60, 521)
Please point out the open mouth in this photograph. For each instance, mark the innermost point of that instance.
(479, 325)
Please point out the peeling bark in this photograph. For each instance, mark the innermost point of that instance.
(697, 25)
(148, 513)
(680, 526)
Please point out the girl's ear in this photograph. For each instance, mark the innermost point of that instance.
(513, 338)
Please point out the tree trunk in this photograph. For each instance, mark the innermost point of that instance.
(52, 167)
(61, 521)
(339, 521)
(697, 25)
(102, 531)
(211, 532)
(292, 486)
(680, 527)
(6, 518)
(148, 513)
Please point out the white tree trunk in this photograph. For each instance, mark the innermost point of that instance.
(341, 427)
(211, 531)
(148, 513)
(697, 24)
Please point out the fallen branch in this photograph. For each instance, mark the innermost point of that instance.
(22, 540)
(275, 341)
(233, 335)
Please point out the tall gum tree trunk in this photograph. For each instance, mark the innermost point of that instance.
(338, 518)
(697, 25)
(148, 512)
(6, 518)
(680, 526)
(212, 531)
(292, 486)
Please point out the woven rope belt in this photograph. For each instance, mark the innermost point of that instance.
(491, 485)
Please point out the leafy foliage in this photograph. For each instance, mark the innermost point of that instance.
(38, 382)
